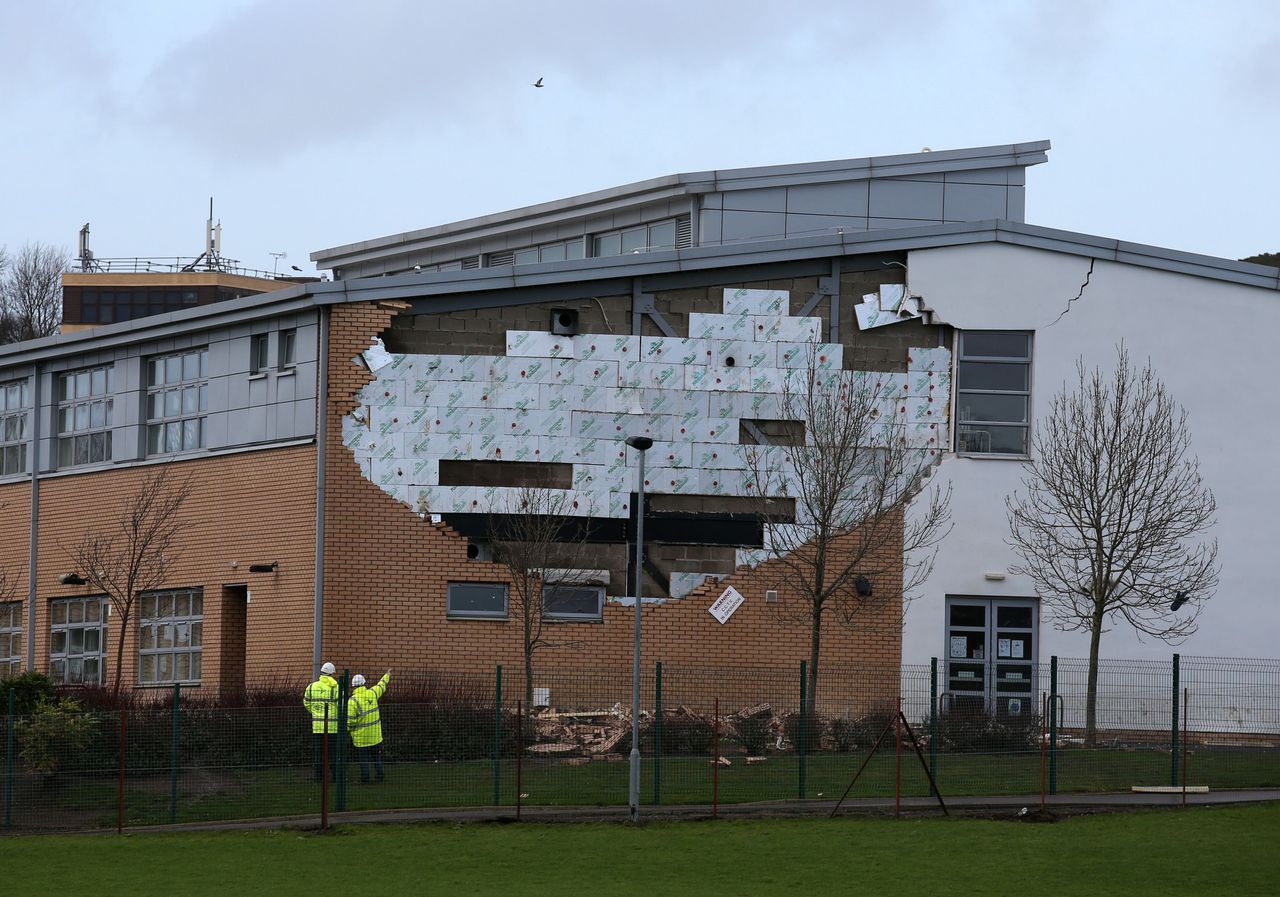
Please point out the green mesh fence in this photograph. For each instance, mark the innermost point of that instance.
(718, 735)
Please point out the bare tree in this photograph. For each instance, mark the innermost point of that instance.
(546, 552)
(31, 292)
(852, 552)
(135, 553)
(1111, 507)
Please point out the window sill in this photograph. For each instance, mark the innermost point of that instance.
(483, 618)
(286, 372)
(992, 456)
(258, 375)
(573, 619)
(167, 685)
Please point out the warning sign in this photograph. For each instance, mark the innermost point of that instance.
(724, 606)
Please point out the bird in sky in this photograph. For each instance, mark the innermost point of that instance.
(537, 83)
(296, 268)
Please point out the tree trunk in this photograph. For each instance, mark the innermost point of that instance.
(528, 679)
(1091, 690)
(124, 627)
(811, 687)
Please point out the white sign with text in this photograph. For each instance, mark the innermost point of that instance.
(724, 606)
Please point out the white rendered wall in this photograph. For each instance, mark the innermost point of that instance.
(1214, 346)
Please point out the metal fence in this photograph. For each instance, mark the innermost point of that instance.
(723, 735)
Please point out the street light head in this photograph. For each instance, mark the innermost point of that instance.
(640, 443)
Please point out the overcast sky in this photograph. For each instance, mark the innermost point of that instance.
(315, 123)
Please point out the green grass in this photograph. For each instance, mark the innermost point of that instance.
(219, 794)
(1188, 852)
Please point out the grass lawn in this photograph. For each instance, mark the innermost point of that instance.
(1186, 852)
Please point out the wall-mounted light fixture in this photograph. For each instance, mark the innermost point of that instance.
(264, 568)
(863, 586)
(994, 576)
(72, 579)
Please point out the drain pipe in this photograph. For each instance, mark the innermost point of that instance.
(322, 452)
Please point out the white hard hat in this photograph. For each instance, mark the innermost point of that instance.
(357, 680)
(328, 669)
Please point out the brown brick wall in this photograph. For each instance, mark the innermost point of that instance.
(387, 572)
(253, 507)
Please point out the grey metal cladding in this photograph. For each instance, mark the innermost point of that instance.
(921, 200)
(740, 225)
(773, 199)
(846, 198)
(974, 202)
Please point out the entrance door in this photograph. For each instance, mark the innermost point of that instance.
(991, 654)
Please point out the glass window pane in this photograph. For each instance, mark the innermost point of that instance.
(82, 450)
(17, 644)
(182, 669)
(58, 645)
(1019, 617)
(191, 366)
(191, 434)
(197, 634)
(164, 606)
(204, 397)
(553, 253)
(155, 405)
(60, 612)
(148, 671)
(75, 612)
(476, 598)
(634, 239)
(155, 439)
(155, 372)
(75, 670)
(98, 382)
(663, 235)
(526, 256)
(75, 641)
(195, 667)
(197, 603)
(172, 403)
(12, 398)
(98, 415)
(92, 670)
(57, 671)
(981, 406)
(173, 369)
(608, 244)
(182, 635)
(995, 345)
(92, 611)
(91, 640)
(993, 375)
(164, 667)
(991, 438)
(82, 384)
(164, 635)
(182, 604)
(147, 637)
(191, 400)
(173, 437)
(573, 249)
(64, 387)
(203, 356)
(82, 417)
(968, 615)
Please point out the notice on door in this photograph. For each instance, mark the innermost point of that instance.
(959, 646)
(1002, 648)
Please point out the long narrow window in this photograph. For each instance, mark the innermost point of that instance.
(15, 418)
(993, 392)
(84, 416)
(177, 399)
(77, 640)
(10, 638)
(171, 637)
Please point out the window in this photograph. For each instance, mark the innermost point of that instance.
(477, 599)
(288, 349)
(14, 421)
(84, 416)
(258, 353)
(108, 305)
(177, 399)
(993, 392)
(992, 652)
(78, 638)
(573, 603)
(669, 234)
(170, 637)
(10, 638)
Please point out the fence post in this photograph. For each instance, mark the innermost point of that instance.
(8, 760)
(1173, 754)
(173, 776)
(933, 725)
(340, 774)
(497, 736)
(1053, 724)
(657, 734)
(803, 724)
(124, 725)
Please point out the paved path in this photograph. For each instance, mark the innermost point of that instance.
(916, 806)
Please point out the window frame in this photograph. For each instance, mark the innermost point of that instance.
(287, 349)
(1026, 362)
(259, 353)
(12, 634)
(452, 613)
(13, 450)
(200, 383)
(148, 649)
(561, 616)
(68, 400)
(67, 625)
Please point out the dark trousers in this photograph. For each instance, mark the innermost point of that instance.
(367, 756)
(319, 739)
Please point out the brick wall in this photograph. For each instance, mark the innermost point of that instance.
(253, 507)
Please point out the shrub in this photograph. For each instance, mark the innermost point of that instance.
(754, 732)
(977, 731)
(57, 731)
(861, 733)
(31, 689)
(814, 727)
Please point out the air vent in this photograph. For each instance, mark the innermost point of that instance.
(471, 261)
(564, 321)
(499, 259)
(684, 232)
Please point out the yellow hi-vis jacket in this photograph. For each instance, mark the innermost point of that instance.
(364, 720)
(321, 694)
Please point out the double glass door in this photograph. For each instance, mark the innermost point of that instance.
(991, 654)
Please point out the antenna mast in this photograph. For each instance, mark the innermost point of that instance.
(212, 255)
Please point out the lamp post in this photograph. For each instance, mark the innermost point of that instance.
(641, 444)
